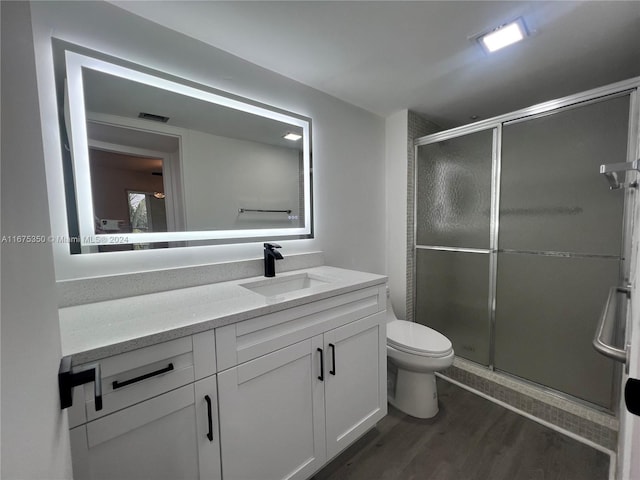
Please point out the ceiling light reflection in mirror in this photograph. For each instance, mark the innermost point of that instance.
(203, 201)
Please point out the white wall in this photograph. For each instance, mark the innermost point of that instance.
(396, 131)
(34, 441)
(348, 143)
(221, 175)
(401, 129)
(629, 437)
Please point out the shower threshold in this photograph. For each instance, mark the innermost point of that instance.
(584, 421)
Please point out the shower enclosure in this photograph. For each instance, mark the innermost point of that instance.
(518, 237)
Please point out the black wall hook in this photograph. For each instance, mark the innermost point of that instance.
(67, 379)
(632, 395)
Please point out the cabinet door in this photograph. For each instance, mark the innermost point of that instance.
(272, 415)
(355, 390)
(155, 439)
(162, 438)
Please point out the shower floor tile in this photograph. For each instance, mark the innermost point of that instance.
(471, 438)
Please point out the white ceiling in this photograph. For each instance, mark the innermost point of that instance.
(112, 95)
(384, 56)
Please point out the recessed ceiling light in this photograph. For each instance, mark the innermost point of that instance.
(503, 36)
(292, 136)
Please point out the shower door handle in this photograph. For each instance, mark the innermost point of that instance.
(611, 170)
(605, 331)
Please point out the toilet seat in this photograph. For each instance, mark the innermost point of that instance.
(417, 339)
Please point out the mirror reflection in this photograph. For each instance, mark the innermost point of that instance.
(166, 162)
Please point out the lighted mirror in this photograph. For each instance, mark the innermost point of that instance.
(159, 162)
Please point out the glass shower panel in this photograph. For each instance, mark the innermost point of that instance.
(552, 196)
(547, 308)
(453, 191)
(452, 291)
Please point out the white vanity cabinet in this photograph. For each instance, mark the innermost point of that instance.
(159, 418)
(274, 389)
(297, 386)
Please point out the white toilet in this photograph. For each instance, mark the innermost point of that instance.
(414, 353)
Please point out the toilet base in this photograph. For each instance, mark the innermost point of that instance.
(415, 393)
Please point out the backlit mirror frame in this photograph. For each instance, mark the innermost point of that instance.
(75, 63)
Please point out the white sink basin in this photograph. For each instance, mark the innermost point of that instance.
(272, 287)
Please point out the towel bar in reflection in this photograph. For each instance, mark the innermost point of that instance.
(243, 210)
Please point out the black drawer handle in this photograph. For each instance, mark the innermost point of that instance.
(333, 359)
(321, 377)
(209, 417)
(117, 384)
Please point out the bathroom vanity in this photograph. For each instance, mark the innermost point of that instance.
(247, 379)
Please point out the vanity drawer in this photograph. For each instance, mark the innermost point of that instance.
(135, 376)
(240, 342)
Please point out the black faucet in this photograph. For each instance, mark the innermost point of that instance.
(270, 257)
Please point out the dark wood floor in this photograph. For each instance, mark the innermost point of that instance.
(470, 439)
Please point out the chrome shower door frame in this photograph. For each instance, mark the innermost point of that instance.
(496, 128)
(628, 87)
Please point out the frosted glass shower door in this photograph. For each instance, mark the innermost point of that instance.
(452, 291)
(453, 240)
(559, 246)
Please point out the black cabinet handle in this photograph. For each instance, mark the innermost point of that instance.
(116, 384)
(333, 359)
(321, 377)
(209, 417)
(68, 379)
(97, 386)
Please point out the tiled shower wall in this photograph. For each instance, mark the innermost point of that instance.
(417, 127)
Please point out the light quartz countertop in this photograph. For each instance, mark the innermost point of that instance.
(98, 330)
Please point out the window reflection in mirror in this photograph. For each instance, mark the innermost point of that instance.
(117, 182)
(129, 196)
(146, 212)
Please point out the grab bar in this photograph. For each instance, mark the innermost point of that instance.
(605, 330)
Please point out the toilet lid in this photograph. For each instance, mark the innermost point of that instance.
(414, 337)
